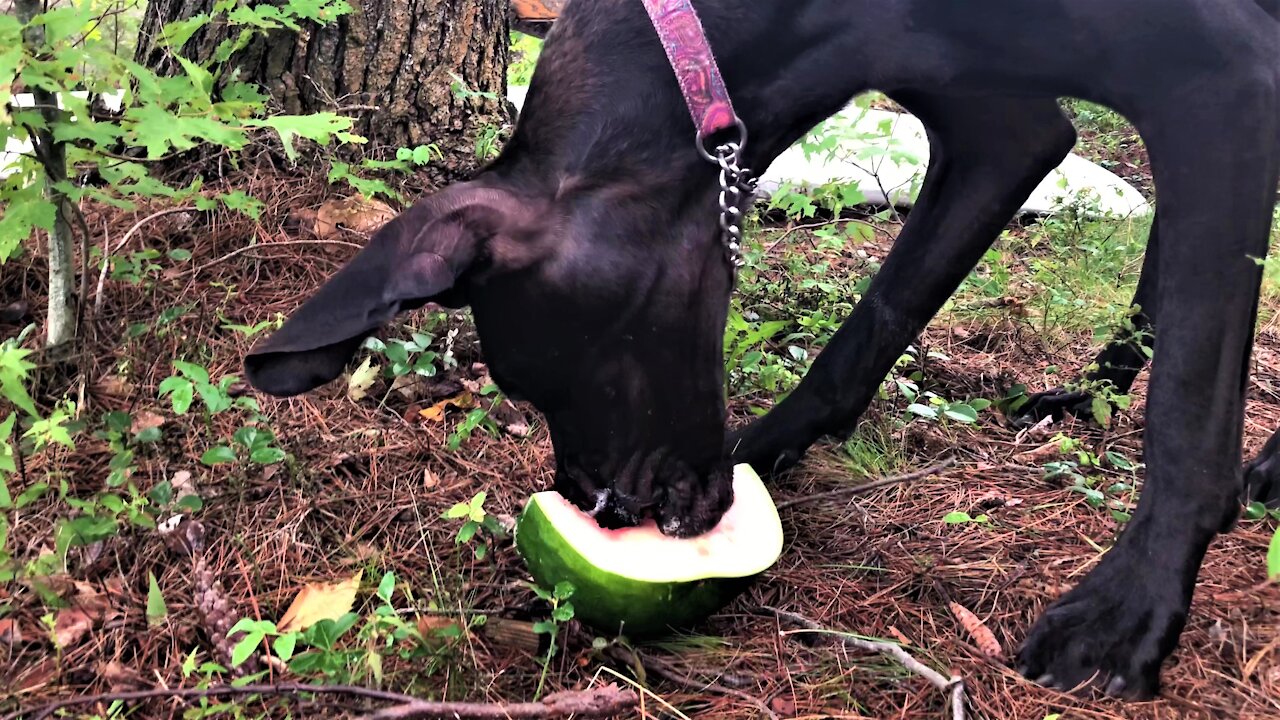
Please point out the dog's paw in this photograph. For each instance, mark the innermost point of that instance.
(1112, 632)
(1262, 474)
(1056, 403)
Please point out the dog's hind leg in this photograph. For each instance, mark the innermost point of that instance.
(1214, 152)
(986, 156)
(1119, 363)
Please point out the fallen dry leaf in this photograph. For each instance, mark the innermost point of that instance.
(361, 379)
(145, 420)
(438, 631)
(183, 485)
(320, 601)
(353, 213)
(783, 705)
(70, 625)
(10, 633)
(435, 413)
(113, 386)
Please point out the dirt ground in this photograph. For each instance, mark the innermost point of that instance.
(369, 480)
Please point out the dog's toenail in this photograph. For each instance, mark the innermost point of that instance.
(1045, 680)
(1116, 686)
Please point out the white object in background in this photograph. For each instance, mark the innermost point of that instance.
(885, 155)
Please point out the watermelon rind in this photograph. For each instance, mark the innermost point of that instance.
(611, 602)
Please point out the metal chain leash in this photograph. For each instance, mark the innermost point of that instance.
(735, 181)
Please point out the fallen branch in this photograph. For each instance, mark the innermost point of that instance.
(665, 670)
(953, 685)
(605, 701)
(868, 487)
(108, 251)
(602, 702)
(266, 246)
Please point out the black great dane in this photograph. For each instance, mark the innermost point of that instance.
(591, 256)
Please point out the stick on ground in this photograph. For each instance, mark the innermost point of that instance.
(953, 685)
(868, 487)
(601, 702)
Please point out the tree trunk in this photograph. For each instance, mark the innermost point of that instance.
(60, 324)
(388, 63)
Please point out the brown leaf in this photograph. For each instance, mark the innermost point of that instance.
(435, 413)
(10, 633)
(320, 601)
(438, 631)
(783, 705)
(113, 386)
(70, 626)
(120, 677)
(145, 420)
(354, 213)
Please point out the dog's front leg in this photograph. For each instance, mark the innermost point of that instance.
(1212, 149)
(986, 156)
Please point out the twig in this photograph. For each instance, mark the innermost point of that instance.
(265, 246)
(47, 709)
(108, 251)
(601, 702)
(665, 670)
(868, 487)
(953, 685)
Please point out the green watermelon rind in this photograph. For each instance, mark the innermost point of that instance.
(610, 603)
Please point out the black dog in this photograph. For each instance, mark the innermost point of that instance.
(590, 254)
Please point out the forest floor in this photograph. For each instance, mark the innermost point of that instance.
(362, 479)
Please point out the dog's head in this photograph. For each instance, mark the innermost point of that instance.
(615, 337)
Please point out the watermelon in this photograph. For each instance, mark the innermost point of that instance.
(639, 582)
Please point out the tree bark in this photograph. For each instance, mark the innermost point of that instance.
(60, 325)
(388, 63)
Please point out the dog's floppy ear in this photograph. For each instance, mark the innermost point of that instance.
(413, 258)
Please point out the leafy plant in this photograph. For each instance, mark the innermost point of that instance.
(561, 612)
(193, 380)
(249, 445)
(474, 517)
(66, 62)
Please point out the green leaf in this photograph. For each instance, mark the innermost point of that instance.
(176, 34)
(563, 590)
(181, 393)
(563, 613)
(545, 627)
(284, 645)
(387, 586)
(242, 203)
(267, 455)
(458, 511)
(957, 517)
(922, 410)
(26, 209)
(218, 455)
(161, 131)
(190, 503)
(156, 609)
(1101, 411)
(245, 648)
(1273, 556)
(1255, 511)
(467, 532)
(191, 370)
(149, 435)
(319, 127)
(65, 23)
(961, 412)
